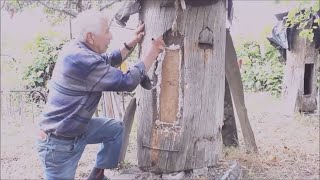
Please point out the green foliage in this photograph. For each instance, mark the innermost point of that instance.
(16, 5)
(45, 50)
(297, 17)
(57, 11)
(261, 71)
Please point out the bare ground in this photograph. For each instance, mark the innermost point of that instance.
(288, 146)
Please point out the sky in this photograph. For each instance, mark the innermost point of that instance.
(250, 20)
(251, 17)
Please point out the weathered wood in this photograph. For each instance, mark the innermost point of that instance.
(229, 128)
(170, 88)
(186, 135)
(294, 95)
(114, 108)
(235, 83)
(306, 103)
(114, 105)
(128, 121)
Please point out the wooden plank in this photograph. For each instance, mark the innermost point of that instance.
(234, 78)
(229, 128)
(128, 121)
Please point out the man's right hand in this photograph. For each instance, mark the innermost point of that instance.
(157, 46)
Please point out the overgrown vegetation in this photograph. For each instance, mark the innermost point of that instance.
(45, 50)
(300, 17)
(262, 69)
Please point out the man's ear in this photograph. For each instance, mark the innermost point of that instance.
(90, 38)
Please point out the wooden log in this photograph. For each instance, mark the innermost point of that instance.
(180, 120)
(299, 90)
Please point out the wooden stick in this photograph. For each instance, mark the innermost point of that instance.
(235, 83)
(128, 121)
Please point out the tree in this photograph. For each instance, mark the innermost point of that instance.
(58, 9)
(301, 17)
(180, 119)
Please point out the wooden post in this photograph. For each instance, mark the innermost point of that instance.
(180, 120)
(235, 83)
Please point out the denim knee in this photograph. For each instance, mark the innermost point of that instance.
(120, 127)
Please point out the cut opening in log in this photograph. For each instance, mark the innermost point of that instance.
(169, 95)
(308, 78)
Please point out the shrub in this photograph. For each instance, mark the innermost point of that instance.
(45, 50)
(261, 71)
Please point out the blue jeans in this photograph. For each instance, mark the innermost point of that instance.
(60, 157)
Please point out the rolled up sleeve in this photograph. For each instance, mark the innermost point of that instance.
(114, 58)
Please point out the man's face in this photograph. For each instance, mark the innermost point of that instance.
(102, 38)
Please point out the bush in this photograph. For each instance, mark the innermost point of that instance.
(261, 71)
(45, 50)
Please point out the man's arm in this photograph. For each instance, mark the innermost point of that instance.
(128, 46)
(115, 58)
(103, 77)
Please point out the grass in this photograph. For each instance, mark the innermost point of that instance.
(288, 145)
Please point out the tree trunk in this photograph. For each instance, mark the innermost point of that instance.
(229, 128)
(299, 90)
(180, 119)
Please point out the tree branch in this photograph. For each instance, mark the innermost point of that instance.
(19, 4)
(79, 5)
(4, 3)
(108, 4)
(65, 11)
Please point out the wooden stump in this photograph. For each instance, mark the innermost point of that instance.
(299, 90)
(180, 120)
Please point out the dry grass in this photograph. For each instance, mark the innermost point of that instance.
(288, 145)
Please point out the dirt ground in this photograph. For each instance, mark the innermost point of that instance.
(288, 146)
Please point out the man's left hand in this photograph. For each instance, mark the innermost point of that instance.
(139, 33)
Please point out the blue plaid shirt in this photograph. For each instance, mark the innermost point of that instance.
(79, 77)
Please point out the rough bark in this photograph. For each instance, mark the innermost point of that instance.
(294, 97)
(180, 120)
(235, 83)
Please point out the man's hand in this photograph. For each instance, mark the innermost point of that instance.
(139, 33)
(128, 47)
(157, 46)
